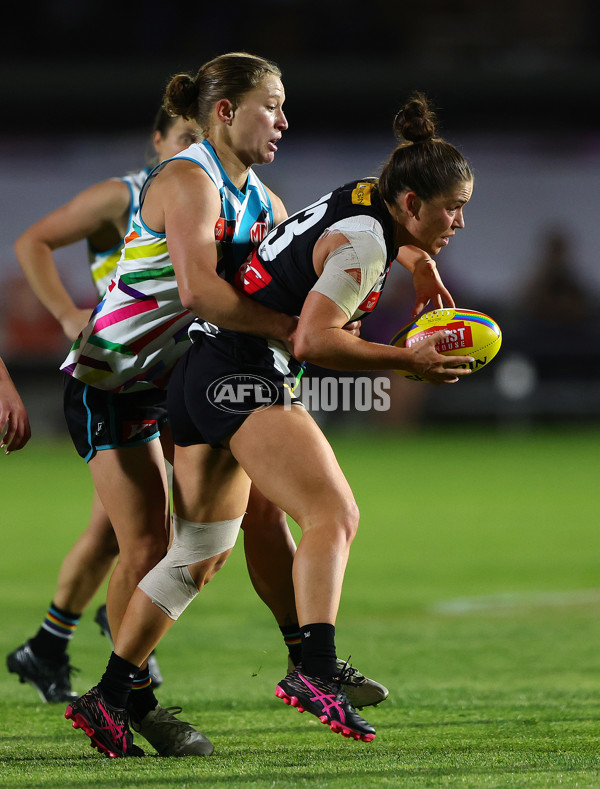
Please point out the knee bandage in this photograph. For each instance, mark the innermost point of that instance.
(169, 585)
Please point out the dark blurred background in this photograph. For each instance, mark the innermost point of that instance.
(83, 66)
(516, 88)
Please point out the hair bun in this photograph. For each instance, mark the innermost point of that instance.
(181, 96)
(416, 121)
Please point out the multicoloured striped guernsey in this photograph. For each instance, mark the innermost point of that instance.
(139, 330)
(104, 264)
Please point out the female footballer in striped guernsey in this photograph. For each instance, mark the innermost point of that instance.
(213, 209)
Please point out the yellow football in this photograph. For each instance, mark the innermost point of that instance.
(468, 333)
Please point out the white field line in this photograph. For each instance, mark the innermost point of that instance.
(507, 601)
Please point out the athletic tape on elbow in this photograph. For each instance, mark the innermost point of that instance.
(169, 585)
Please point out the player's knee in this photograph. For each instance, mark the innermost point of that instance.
(218, 564)
(204, 548)
(205, 571)
(144, 555)
(171, 589)
(108, 547)
(339, 521)
(348, 520)
(343, 521)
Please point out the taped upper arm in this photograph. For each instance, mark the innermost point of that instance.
(351, 271)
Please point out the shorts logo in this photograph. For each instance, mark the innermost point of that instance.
(133, 429)
(242, 394)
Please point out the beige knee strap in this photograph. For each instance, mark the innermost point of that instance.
(169, 585)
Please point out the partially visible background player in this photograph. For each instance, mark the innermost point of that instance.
(15, 431)
(100, 215)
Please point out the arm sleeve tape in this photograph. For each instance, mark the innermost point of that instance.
(363, 252)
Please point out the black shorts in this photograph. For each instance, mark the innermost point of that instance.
(219, 382)
(108, 420)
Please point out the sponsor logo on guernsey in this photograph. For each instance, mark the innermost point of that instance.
(224, 229)
(252, 276)
(257, 232)
(361, 194)
(369, 303)
(371, 300)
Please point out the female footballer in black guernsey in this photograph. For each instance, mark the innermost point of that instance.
(327, 264)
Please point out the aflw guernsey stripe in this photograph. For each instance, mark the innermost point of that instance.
(139, 330)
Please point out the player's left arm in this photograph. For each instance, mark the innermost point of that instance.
(426, 279)
(347, 272)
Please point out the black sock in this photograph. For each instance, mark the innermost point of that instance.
(318, 649)
(293, 641)
(117, 681)
(142, 699)
(52, 639)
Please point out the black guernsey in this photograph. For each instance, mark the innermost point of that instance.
(280, 274)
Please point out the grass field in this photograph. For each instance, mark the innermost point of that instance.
(473, 593)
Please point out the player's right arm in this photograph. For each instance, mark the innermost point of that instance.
(86, 214)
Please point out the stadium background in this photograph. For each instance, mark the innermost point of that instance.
(515, 89)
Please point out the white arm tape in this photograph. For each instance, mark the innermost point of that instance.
(362, 253)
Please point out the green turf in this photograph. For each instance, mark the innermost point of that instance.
(472, 592)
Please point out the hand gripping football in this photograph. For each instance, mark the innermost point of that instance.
(468, 333)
